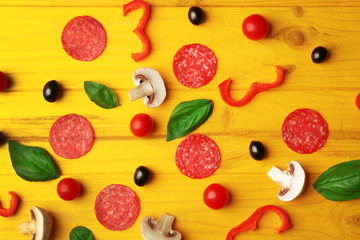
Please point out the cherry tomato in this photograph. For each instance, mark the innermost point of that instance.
(141, 125)
(255, 27)
(68, 189)
(3, 81)
(216, 196)
(357, 101)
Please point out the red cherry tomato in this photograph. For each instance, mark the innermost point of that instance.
(255, 27)
(3, 81)
(216, 196)
(357, 101)
(68, 189)
(141, 125)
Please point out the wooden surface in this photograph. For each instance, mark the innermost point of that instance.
(31, 54)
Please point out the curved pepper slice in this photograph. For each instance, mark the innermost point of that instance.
(7, 212)
(251, 222)
(139, 30)
(254, 89)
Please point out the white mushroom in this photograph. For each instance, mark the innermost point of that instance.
(292, 180)
(39, 226)
(149, 86)
(160, 229)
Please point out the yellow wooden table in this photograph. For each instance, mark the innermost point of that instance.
(31, 54)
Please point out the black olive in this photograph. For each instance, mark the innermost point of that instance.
(142, 176)
(196, 15)
(2, 138)
(319, 54)
(51, 91)
(257, 150)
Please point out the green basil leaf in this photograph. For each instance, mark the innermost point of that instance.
(101, 95)
(188, 116)
(81, 233)
(32, 163)
(340, 182)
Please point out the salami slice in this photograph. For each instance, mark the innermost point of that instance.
(84, 38)
(194, 65)
(71, 136)
(197, 156)
(304, 131)
(117, 207)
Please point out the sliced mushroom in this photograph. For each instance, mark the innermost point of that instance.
(160, 229)
(39, 225)
(292, 181)
(149, 86)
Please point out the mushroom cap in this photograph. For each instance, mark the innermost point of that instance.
(43, 223)
(157, 83)
(297, 182)
(150, 232)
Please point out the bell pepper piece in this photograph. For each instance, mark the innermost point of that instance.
(7, 212)
(254, 89)
(140, 28)
(251, 222)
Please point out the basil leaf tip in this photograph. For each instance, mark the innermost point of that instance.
(32, 163)
(81, 233)
(101, 95)
(188, 116)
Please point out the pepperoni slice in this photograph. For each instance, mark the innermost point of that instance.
(71, 136)
(117, 207)
(194, 65)
(84, 38)
(197, 156)
(304, 131)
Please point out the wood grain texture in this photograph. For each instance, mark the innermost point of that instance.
(31, 54)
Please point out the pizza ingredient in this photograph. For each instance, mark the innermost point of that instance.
(340, 182)
(319, 54)
(84, 38)
(3, 81)
(197, 156)
(142, 176)
(141, 125)
(2, 138)
(257, 150)
(39, 227)
(216, 196)
(140, 28)
(255, 27)
(51, 91)
(357, 101)
(81, 233)
(71, 136)
(292, 181)
(194, 65)
(160, 229)
(32, 163)
(101, 95)
(7, 212)
(68, 189)
(196, 15)
(149, 86)
(117, 207)
(304, 131)
(188, 116)
(251, 222)
(254, 89)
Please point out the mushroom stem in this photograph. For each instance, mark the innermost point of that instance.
(27, 227)
(280, 177)
(164, 224)
(144, 89)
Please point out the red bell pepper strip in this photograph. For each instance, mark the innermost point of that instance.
(251, 222)
(254, 89)
(7, 212)
(139, 30)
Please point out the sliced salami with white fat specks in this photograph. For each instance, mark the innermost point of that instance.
(117, 207)
(304, 131)
(194, 65)
(71, 136)
(84, 38)
(197, 156)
